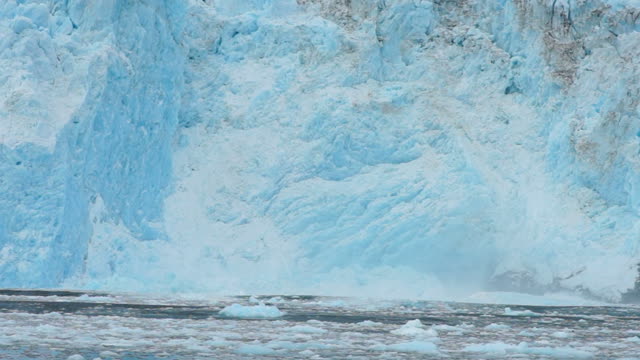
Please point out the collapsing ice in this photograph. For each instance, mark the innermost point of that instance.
(408, 148)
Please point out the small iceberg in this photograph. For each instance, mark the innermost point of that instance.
(509, 312)
(415, 328)
(260, 311)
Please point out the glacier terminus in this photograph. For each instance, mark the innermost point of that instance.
(411, 148)
(319, 179)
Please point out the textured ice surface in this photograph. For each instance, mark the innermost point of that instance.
(383, 148)
(89, 109)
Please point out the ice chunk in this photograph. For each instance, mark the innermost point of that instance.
(254, 349)
(444, 327)
(562, 334)
(368, 323)
(422, 347)
(275, 300)
(500, 348)
(415, 328)
(108, 354)
(290, 345)
(256, 311)
(491, 348)
(557, 352)
(527, 333)
(509, 312)
(306, 329)
(494, 326)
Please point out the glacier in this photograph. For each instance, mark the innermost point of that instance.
(407, 148)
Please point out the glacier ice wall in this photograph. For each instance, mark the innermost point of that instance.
(387, 148)
(89, 100)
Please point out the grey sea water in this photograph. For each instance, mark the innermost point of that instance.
(72, 325)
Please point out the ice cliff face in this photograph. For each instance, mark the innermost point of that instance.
(89, 99)
(363, 147)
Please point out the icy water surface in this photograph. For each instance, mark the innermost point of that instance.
(60, 324)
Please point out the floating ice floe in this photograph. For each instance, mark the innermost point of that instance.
(634, 339)
(415, 328)
(494, 326)
(254, 349)
(306, 329)
(509, 312)
(368, 323)
(562, 334)
(108, 355)
(260, 311)
(422, 347)
(500, 348)
(275, 300)
(134, 336)
(291, 345)
(453, 330)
